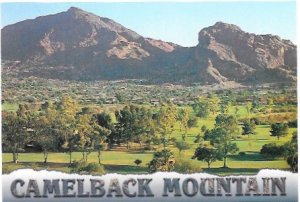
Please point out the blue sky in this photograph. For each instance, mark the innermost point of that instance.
(174, 22)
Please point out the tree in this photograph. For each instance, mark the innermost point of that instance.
(213, 103)
(222, 141)
(224, 105)
(47, 131)
(248, 127)
(206, 154)
(104, 120)
(184, 117)
(222, 135)
(14, 130)
(162, 161)
(85, 130)
(133, 123)
(201, 107)
(279, 130)
(67, 109)
(99, 138)
(291, 152)
(138, 162)
(166, 120)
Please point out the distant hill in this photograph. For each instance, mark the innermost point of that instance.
(79, 45)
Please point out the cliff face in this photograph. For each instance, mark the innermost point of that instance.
(239, 55)
(79, 45)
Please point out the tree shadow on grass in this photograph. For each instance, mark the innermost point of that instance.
(8, 167)
(109, 168)
(125, 169)
(231, 171)
(251, 156)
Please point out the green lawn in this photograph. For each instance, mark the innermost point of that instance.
(9, 107)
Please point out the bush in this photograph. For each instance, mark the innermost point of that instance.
(94, 168)
(272, 150)
(138, 162)
(82, 166)
(186, 166)
(77, 166)
(242, 153)
(293, 124)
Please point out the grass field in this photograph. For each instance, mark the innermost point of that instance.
(123, 161)
(9, 107)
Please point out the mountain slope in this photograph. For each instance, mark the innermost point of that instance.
(79, 45)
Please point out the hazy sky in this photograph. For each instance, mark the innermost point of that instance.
(174, 22)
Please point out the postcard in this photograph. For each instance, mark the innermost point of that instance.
(149, 101)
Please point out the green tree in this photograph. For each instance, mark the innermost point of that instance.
(14, 133)
(133, 123)
(209, 155)
(201, 107)
(221, 136)
(248, 127)
(85, 130)
(166, 120)
(184, 117)
(224, 105)
(162, 161)
(104, 121)
(47, 131)
(214, 103)
(98, 139)
(279, 130)
(291, 152)
(67, 109)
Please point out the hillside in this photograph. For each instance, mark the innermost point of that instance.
(78, 45)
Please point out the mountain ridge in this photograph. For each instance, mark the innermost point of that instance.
(83, 46)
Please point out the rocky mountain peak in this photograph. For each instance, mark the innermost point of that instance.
(225, 26)
(74, 10)
(80, 45)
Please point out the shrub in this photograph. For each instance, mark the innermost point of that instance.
(82, 166)
(186, 166)
(94, 168)
(293, 124)
(138, 162)
(272, 150)
(242, 153)
(78, 166)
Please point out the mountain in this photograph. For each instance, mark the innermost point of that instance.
(82, 46)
